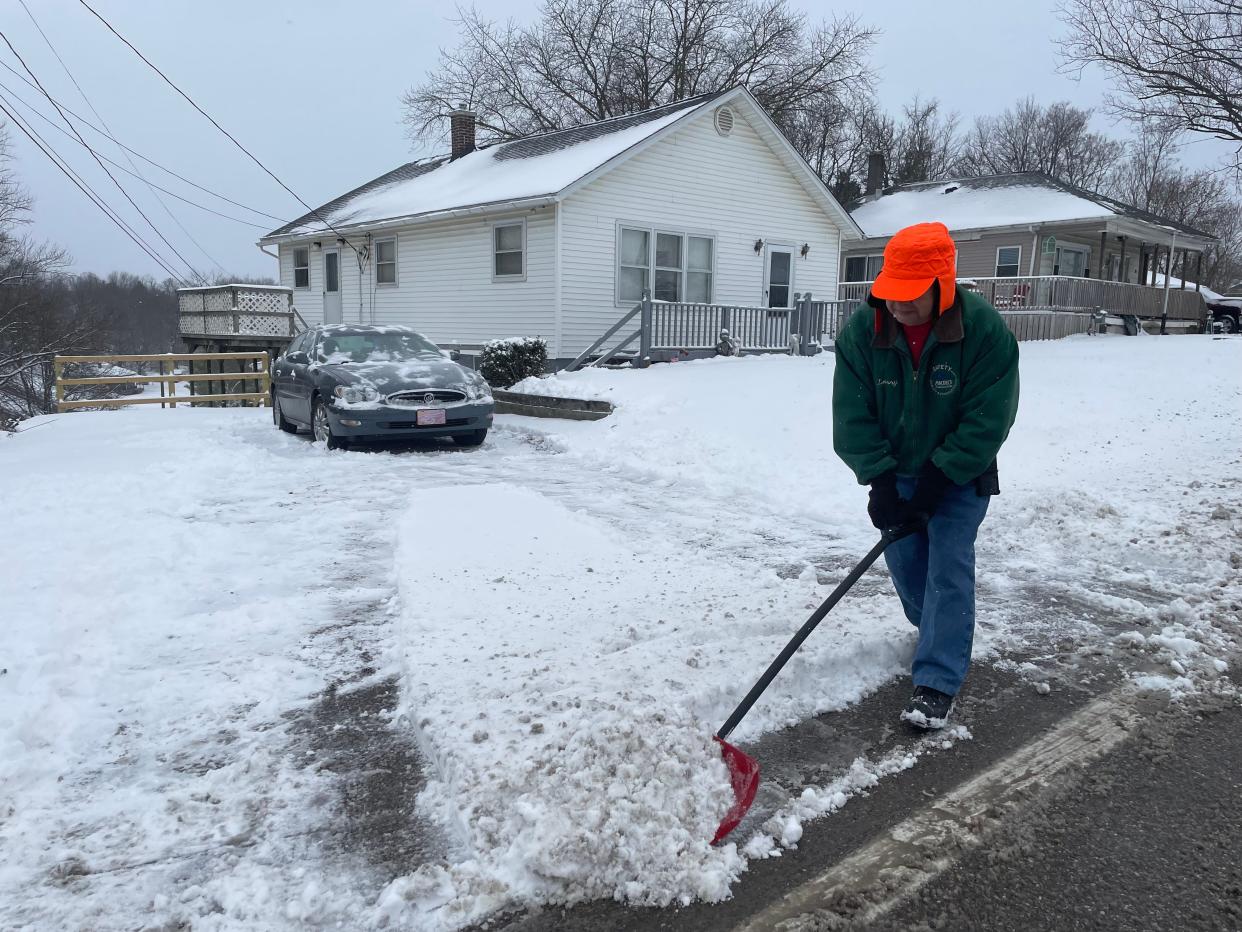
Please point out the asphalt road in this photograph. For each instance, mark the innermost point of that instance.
(1149, 838)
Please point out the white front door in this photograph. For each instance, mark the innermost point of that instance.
(331, 286)
(778, 277)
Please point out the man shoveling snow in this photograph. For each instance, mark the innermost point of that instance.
(924, 394)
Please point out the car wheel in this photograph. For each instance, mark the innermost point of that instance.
(278, 417)
(474, 438)
(1229, 323)
(323, 428)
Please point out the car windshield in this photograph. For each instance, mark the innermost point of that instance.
(374, 346)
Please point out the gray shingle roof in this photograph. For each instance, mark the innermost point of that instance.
(515, 151)
(1028, 180)
(543, 143)
(400, 173)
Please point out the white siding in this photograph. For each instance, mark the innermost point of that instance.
(444, 282)
(693, 181)
(306, 301)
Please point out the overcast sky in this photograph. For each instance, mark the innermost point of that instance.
(313, 89)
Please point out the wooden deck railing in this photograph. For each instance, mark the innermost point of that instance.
(1066, 293)
(258, 372)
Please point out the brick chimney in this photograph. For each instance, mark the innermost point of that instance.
(876, 170)
(462, 122)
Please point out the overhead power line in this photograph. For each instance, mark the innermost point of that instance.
(171, 216)
(85, 188)
(195, 274)
(213, 122)
(85, 122)
(15, 99)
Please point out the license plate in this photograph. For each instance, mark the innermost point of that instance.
(429, 417)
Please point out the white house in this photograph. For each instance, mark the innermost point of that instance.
(558, 234)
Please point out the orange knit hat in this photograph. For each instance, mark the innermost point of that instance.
(915, 257)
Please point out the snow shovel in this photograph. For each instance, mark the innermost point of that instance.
(743, 769)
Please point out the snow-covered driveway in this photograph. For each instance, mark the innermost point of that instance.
(570, 611)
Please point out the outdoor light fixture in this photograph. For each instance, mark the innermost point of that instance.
(758, 246)
(806, 247)
(318, 245)
(340, 240)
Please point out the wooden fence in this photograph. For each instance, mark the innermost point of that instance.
(1065, 293)
(1049, 325)
(252, 367)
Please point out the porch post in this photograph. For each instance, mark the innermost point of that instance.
(1164, 312)
(1185, 258)
(1103, 246)
(805, 324)
(1199, 271)
(644, 339)
(1142, 275)
(1121, 265)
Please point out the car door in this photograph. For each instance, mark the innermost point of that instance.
(282, 370)
(301, 381)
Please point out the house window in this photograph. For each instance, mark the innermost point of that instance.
(674, 266)
(863, 268)
(386, 261)
(668, 260)
(301, 267)
(635, 264)
(699, 269)
(1008, 261)
(509, 250)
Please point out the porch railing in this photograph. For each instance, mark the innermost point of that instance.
(665, 329)
(1065, 293)
(1048, 325)
(238, 310)
(662, 330)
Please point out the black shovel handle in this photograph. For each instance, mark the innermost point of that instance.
(888, 537)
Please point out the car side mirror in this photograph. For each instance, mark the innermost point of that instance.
(454, 355)
(298, 358)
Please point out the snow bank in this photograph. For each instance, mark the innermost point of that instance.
(585, 641)
(566, 676)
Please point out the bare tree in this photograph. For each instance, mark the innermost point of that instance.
(1055, 139)
(33, 331)
(923, 145)
(1153, 178)
(587, 60)
(1176, 60)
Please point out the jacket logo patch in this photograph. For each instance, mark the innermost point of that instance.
(943, 379)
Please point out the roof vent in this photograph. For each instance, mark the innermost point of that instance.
(950, 189)
(724, 121)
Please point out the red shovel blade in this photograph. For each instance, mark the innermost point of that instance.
(744, 776)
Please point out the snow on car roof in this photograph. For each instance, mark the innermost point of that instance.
(535, 166)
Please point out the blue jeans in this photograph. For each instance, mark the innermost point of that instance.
(934, 574)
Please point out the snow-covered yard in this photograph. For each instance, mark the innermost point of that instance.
(569, 611)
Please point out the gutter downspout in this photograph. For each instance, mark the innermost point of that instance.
(263, 249)
(557, 271)
(1034, 248)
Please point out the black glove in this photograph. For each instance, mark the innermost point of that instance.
(928, 492)
(884, 506)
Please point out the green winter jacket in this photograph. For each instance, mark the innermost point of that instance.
(955, 410)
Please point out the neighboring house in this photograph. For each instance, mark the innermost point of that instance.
(558, 235)
(1026, 224)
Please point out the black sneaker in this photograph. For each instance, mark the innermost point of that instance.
(928, 708)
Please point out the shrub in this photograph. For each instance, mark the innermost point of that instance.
(506, 362)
